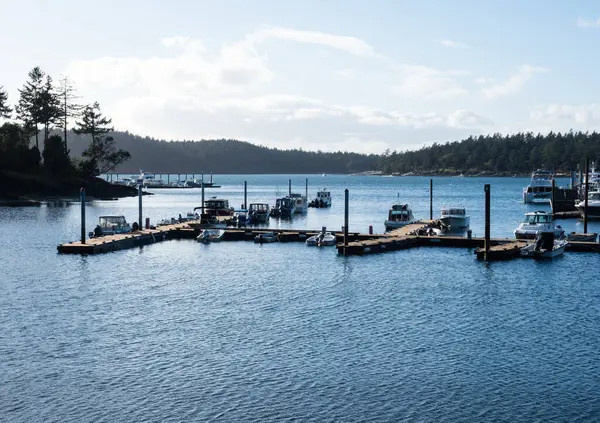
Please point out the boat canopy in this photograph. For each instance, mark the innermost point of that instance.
(457, 211)
(538, 217)
(264, 207)
(216, 203)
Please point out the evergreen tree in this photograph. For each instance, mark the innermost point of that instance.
(93, 122)
(68, 108)
(49, 111)
(5, 110)
(29, 107)
(56, 157)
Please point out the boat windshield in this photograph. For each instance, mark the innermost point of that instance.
(538, 218)
(216, 204)
(259, 207)
(459, 212)
(110, 221)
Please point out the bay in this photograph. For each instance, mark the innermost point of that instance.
(179, 331)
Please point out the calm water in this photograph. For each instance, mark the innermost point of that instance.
(180, 331)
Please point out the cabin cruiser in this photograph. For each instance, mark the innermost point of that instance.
(454, 218)
(593, 206)
(545, 246)
(538, 221)
(301, 205)
(258, 213)
(323, 199)
(217, 207)
(111, 225)
(539, 189)
(399, 215)
(284, 207)
(322, 239)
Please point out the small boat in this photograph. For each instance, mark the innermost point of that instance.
(582, 237)
(454, 218)
(539, 189)
(545, 246)
(399, 215)
(322, 200)
(111, 225)
(210, 235)
(322, 239)
(301, 205)
(285, 207)
(266, 238)
(259, 213)
(593, 205)
(240, 218)
(538, 221)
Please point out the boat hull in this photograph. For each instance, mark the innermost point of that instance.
(593, 211)
(455, 223)
(558, 250)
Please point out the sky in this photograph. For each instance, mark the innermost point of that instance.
(327, 75)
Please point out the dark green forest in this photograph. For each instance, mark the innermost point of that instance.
(498, 154)
(224, 156)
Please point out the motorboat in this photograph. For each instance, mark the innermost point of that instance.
(538, 221)
(207, 221)
(593, 237)
(593, 206)
(399, 215)
(285, 207)
(240, 217)
(322, 239)
(127, 182)
(539, 189)
(210, 235)
(266, 238)
(545, 246)
(111, 225)
(259, 213)
(301, 203)
(454, 218)
(322, 200)
(217, 207)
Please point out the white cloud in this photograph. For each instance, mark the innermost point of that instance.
(346, 73)
(425, 83)
(586, 23)
(513, 84)
(468, 119)
(452, 44)
(582, 114)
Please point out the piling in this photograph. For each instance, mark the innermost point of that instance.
(431, 199)
(168, 178)
(585, 206)
(487, 218)
(82, 198)
(306, 190)
(553, 194)
(140, 205)
(370, 229)
(202, 190)
(210, 180)
(290, 187)
(147, 223)
(245, 195)
(346, 212)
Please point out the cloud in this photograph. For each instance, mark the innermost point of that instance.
(346, 73)
(452, 44)
(425, 83)
(585, 23)
(468, 119)
(583, 114)
(513, 84)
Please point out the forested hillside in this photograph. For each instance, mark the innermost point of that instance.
(224, 156)
(518, 153)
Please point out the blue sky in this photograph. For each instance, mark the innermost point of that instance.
(330, 75)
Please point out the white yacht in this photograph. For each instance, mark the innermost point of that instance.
(322, 200)
(399, 215)
(455, 218)
(538, 221)
(539, 189)
(593, 205)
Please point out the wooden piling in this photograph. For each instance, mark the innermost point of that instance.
(431, 199)
(487, 218)
(306, 190)
(289, 187)
(202, 197)
(585, 204)
(553, 194)
(346, 212)
(245, 195)
(140, 206)
(82, 198)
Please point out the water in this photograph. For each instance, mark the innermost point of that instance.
(180, 331)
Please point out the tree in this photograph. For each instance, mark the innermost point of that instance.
(102, 156)
(56, 157)
(49, 110)
(5, 110)
(68, 108)
(29, 107)
(93, 122)
(14, 148)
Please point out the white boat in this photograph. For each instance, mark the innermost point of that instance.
(593, 205)
(539, 189)
(399, 215)
(593, 237)
(322, 239)
(266, 238)
(127, 182)
(301, 203)
(322, 200)
(538, 221)
(210, 235)
(545, 246)
(111, 225)
(454, 218)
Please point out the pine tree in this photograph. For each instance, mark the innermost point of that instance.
(93, 122)
(49, 107)
(68, 108)
(29, 107)
(5, 110)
